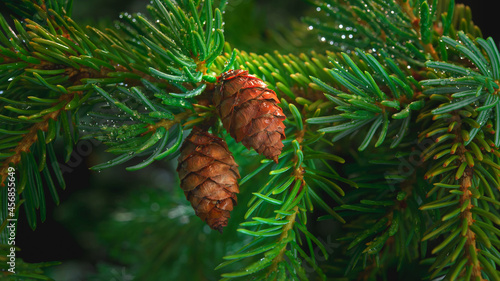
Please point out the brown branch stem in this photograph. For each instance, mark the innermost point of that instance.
(298, 174)
(465, 184)
(288, 227)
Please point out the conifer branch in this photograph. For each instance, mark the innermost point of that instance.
(31, 137)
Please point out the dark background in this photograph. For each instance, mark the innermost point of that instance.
(483, 15)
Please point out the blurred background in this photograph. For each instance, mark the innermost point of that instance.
(116, 224)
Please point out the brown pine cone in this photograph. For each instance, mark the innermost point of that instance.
(250, 113)
(209, 177)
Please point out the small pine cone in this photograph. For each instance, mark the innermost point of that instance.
(250, 113)
(209, 177)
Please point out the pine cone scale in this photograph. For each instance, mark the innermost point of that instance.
(212, 191)
(197, 163)
(214, 151)
(215, 169)
(226, 205)
(225, 179)
(191, 181)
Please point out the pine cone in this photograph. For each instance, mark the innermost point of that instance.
(250, 113)
(209, 177)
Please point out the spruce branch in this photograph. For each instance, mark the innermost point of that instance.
(29, 137)
(463, 165)
(107, 60)
(390, 237)
(364, 102)
(466, 84)
(293, 185)
(54, 64)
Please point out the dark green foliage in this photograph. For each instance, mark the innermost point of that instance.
(392, 137)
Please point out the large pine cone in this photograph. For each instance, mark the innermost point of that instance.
(209, 177)
(250, 113)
